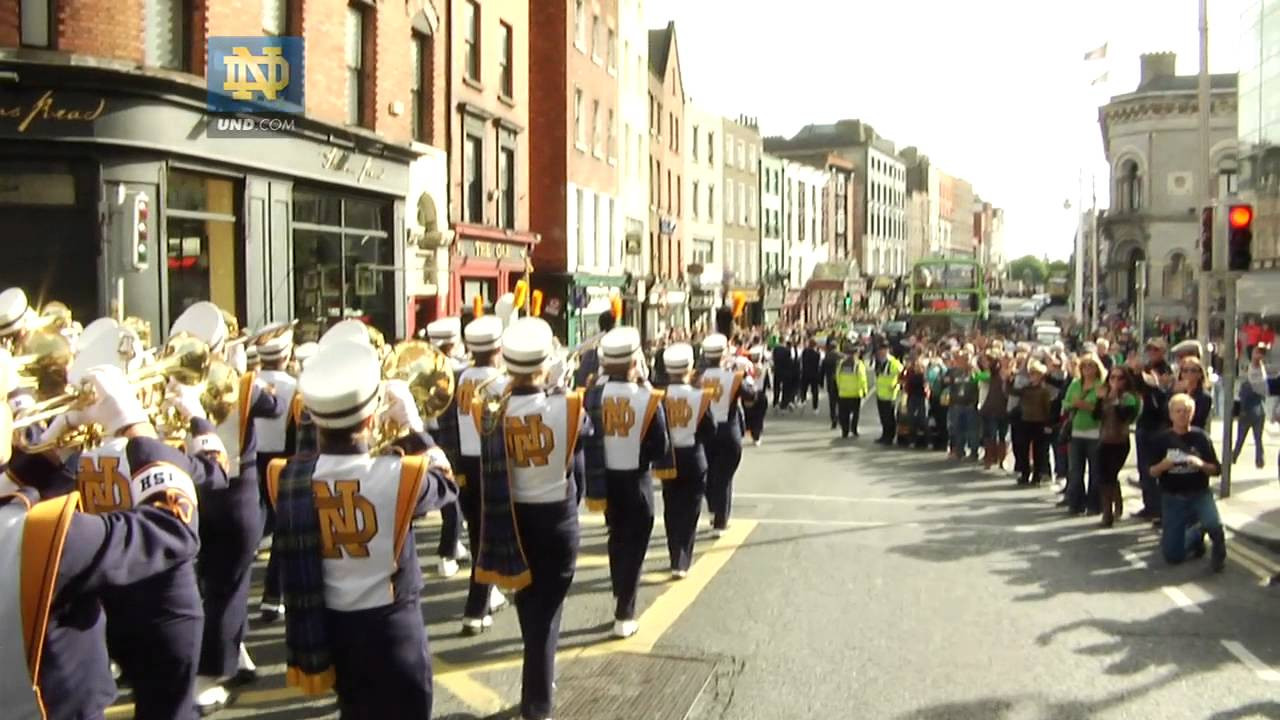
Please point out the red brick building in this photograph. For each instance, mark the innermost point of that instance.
(666, 301)
(105, 103)
(573, 61)
(489, 142)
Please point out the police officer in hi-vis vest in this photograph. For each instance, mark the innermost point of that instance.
(57, 562)
(529, 504)
(692, 430)
(232, 521)
(349, 567)
(276, 439)
(484, 379)
(729, 387)
(630, 438)
(154, 627)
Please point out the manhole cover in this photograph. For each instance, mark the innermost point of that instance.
(626, 686)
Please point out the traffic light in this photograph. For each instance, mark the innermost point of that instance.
(135, 219)
(1240, 237)
(848, 302)
(1206, 239)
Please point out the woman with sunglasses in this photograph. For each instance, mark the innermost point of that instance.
(1193, 381)
(1115, 411)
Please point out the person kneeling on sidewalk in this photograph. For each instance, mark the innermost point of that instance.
(1185, 461)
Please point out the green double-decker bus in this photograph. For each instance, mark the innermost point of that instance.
(948, 292)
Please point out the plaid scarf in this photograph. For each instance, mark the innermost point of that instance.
(500, 560)
(297, 540)
(593, 450)
(445, 435)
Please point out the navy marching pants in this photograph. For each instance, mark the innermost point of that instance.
(722, 459)
(230, 528)
(550, 531)
(469, 502)
(681, 506)
(629, 515)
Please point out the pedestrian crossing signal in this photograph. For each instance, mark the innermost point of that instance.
(1206, 239)
(848, 302)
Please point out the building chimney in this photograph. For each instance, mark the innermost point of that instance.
(1157, 65)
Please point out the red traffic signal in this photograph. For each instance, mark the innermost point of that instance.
(1240, 238)
(1240, 216)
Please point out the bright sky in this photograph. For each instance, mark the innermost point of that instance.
(994, 91)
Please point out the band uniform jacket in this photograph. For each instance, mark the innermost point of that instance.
(469, 382)
(729, 389)
(273, 432)
(372, 580)
(689, 421)
(630, 435)
(55, 564)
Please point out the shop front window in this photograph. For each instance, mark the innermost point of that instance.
(203, 256)
(343, 260)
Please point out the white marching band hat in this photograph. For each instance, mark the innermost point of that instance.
(118, 347)
(89, 335)
(13, 309)
(352, 330)
(484, 334)
(305, 352)
(1188, 347)
(444, 331)
(527, 344)
(678, 358)
(341, 384)
(203, 321)
(619, 345)
(277, 348)
(714, 345)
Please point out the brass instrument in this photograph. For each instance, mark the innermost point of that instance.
(141, 328)
(429, 375)
(44, 362)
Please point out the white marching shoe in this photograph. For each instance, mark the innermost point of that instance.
(448, 567)
(716, 533)
(211, 696)
(679, 574)
(461, 554)
(497, 600)
(475, 626)
(623, 629)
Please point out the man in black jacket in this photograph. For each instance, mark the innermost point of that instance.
(784, 369)
(830, 362)
(810, 373)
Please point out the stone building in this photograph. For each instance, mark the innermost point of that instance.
(1152, 145)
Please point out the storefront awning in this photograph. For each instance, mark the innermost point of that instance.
(792, 299)
(883, 282)
(820, 284)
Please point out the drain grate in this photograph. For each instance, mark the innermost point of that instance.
(627, 686)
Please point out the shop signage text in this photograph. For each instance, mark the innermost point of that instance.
(51, 110)
(339, 160)
(490, 250)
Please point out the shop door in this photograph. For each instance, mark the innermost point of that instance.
(51, 236)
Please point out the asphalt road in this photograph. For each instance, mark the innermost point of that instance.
(863, 582)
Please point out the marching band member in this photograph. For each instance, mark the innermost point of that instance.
(154, 626)
(349, 568)
(631, 438)
(15, 317)
(276, 438)
(483, 337)
(729, 388)
(692, 430)
(232, 526)
(528, 445)
(55, 563)
(445, 335)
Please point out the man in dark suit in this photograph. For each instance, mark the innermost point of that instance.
(830, 361)
(783, 370)
(810, 372)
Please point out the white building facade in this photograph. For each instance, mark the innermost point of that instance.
(803, 188)
(703, 212)
(632, 218)
(885, 239)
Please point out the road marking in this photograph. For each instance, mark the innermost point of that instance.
(844, 499)
(1179, 598)
(470, 691)
(1251, 661)
(1134, 561)
(832, 523)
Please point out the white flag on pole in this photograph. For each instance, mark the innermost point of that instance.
(1100, 79)
(1098, 53)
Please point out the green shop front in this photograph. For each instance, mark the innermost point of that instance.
(572, 301)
